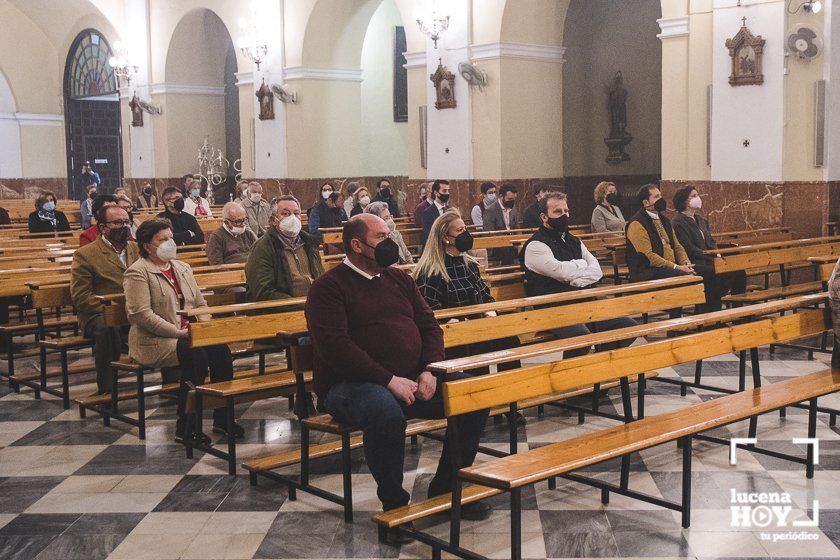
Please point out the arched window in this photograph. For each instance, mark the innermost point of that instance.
(88, 71)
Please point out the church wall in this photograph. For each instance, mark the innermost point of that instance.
(384, 142)
(601, 38)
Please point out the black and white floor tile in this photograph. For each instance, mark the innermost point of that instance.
(72, 488)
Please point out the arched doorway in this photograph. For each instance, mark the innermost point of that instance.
(10, 164)
(92, 113)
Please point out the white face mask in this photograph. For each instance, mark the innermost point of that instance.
(237, 230)
(364, 201)
(167, 250)
(255, 197)
(491, 198)
(289, 226)
(392, 225)
(326, 194)
(696, 203)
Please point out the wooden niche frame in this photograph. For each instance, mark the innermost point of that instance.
(746, 51)
(444, 81)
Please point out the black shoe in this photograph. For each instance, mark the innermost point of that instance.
(476, 511)
(201, 439)
(518, 419)
(397, 538)
(238, 431)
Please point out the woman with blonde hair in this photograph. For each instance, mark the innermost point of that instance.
(447, 276)
(360, 198)
(607, 215)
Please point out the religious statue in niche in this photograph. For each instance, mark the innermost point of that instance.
(266, 99)
(136, 111)
(746, 51)
(444, 81)
(617, 105)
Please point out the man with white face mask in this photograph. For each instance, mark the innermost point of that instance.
(256, 208)
(285, 261)
(232, 242)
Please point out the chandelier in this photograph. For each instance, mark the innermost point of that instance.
(250, 44)
(121, 65)
(433, 25)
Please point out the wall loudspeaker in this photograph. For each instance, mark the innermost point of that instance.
(424, 136)
(819, 123)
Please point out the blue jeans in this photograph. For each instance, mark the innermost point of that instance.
(382, 418)
(593, 327)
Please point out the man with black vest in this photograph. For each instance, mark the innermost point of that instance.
(653, 250)
(554, 261)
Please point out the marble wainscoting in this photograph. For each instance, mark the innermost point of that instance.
(30, 188)
(803, 206)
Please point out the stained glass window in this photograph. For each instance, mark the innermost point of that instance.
(88, 72)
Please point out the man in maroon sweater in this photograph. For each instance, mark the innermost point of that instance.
(373, 336)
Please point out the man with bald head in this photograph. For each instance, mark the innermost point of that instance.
(232, 242)
(285, 261)
(374, 336)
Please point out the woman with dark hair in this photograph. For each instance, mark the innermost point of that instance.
(692, 231)
(45, 218)
(328, 212)
(156, 287)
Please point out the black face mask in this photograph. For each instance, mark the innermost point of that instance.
(659, 205)
(385, 193)
(147, 190)
(508, 203)
(386, 253)
(464, 241)
(444, 198)
(613, 199)
(119, 236)
(178, 204)
(559, 225)
(92, 194)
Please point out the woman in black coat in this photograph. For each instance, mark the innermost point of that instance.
(693, 233)
(45, 218)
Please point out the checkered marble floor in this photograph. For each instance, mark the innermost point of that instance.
(72, 488)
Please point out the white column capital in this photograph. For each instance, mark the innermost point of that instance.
(673, 27)
(523, 51)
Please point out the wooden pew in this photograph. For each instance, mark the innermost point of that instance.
(634, 299)
(516, 471)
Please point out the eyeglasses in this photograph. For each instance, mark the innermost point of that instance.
(119, 223)
(237, 223)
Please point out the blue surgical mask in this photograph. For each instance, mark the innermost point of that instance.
(491, 198)
(195, 193)
(49, 206)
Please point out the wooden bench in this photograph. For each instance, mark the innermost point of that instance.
(512, 473)
(634, 299)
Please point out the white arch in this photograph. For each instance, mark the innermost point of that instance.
(10, 162)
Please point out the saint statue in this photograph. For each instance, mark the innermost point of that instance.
(617, 106)
(136, 111)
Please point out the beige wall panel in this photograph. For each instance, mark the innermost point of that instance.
(487, 123)
(42, 151)
(246, 114)
(189, 121)
(416, 97)
(699, 77)
(531, 119)
(323, 129)
(674, 107)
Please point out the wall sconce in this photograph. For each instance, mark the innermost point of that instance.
(252, 46)
(433, 25)
(121, 65)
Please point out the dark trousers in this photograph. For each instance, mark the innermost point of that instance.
(596, 326)
(194, 364)
(718, 285)
(659, 273)
(382, 418)
(107, 345)
(835, 353)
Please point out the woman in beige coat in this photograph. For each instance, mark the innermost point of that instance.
(834, 301)
(156, 286)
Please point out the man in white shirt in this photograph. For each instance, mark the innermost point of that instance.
(554, 261)
(488, 192)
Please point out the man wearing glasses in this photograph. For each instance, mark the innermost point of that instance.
(97, 270)
(232, 242)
